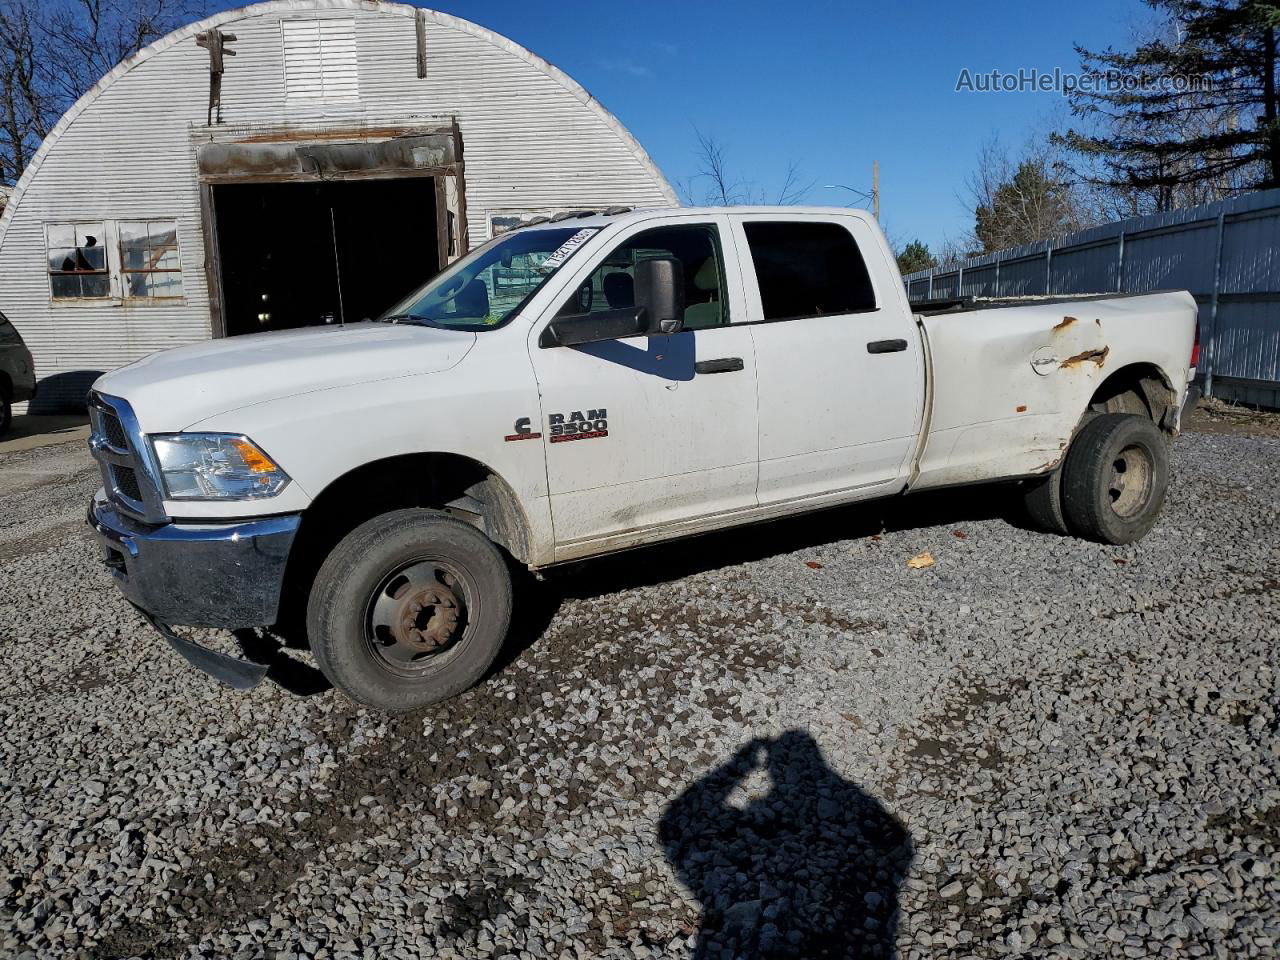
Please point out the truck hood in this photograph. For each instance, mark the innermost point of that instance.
(173, 389)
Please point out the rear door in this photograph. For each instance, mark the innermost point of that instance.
(646, 436)
(838, 357)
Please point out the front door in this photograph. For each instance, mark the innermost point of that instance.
(837, 351)
(651, 431)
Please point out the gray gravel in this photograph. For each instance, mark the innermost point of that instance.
(780, 742)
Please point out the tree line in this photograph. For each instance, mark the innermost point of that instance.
(52, 51)
(1195, 121)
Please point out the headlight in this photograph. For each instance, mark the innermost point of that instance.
(215, 466)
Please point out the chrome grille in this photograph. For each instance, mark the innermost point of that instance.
(113, 432)
(127, 483)
(118, 445)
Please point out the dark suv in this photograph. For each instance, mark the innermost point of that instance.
(17, 373)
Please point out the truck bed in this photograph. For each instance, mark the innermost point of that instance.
(932, 308)
(1010, 382)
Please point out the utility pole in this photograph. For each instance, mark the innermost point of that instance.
(875, 188)
(873, 196)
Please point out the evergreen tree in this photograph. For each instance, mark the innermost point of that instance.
(1197, 118)
(1028, 207)
(914, 257)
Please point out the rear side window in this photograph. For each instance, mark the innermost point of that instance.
(808, 270)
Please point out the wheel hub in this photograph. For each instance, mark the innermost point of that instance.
(1129, 485)
(427, 616)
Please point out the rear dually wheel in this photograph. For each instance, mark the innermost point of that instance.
(1115, 478)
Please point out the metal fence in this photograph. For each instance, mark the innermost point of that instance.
(1227, 254)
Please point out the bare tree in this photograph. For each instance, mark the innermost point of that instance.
(714, 185)
(954, 252)
(26, 107)
(1022, 200)
(89, 37)
(52, 52)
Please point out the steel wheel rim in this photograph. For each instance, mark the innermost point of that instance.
(420, 616)
(1130, 481)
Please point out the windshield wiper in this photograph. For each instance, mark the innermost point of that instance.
(407, 318)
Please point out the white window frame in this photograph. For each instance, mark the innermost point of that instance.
(115, 268)
(105, 242)
(177, 242)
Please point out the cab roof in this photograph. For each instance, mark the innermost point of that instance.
(611, 216)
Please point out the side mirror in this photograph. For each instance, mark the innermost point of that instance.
(660, 293)
(658, 310)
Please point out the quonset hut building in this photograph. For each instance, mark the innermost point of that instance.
(290, 163)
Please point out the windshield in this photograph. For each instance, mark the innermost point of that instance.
(484, 289)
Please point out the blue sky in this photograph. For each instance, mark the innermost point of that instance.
(832, 86)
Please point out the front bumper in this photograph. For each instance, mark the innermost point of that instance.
(226, 575)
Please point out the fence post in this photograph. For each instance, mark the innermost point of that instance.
(1120, 265)
(1048, 269)
(930, 296)
(960, 284)
(995, 291)
(1209, 338)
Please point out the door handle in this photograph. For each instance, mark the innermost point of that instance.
(886, 346)
(723, 365)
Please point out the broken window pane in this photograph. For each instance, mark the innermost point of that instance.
(62, 235)
(77, 261)
(62, 258)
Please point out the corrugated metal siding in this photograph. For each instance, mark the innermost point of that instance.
(1251, 255)
(531, 143)
(1022, 278)
(1176, 250)
(1083, 270)
(1248, 340)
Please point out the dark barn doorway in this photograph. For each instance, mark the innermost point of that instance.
(303, 254)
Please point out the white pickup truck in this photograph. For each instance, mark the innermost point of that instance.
(588, 384)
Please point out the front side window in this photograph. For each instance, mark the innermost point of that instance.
(808, 269)
(77, 261)
(612, 286)
(486, 288)
(149, 259)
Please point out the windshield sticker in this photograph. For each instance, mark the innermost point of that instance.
(567, 248)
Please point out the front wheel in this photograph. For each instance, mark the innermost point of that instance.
(6, 414)
(410, 608)
(1115, 478)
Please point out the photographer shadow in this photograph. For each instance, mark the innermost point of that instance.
(811, 869)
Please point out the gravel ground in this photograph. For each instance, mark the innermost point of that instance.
(779, 742)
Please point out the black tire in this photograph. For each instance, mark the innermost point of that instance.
(6, 415)
(1115, 478)
(1042, 500)
(409, 609)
